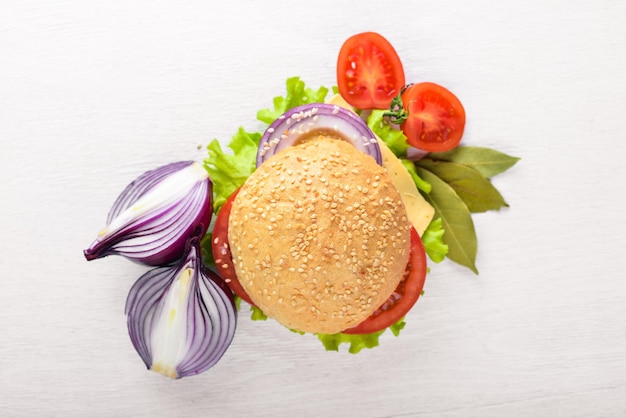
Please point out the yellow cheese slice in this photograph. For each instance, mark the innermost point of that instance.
(419, 211)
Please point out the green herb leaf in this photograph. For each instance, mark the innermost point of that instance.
(486, 161)
(457, 221)
(394, 138)
(475, 189)
(229, 171)
(432, 238)
(297, 95)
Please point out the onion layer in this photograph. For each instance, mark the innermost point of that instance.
(181, 319)
(415, 154)
(152, 219)
(308, 121)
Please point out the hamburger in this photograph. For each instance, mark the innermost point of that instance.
(319, 237)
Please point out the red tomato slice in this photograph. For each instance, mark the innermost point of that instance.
(369, 71)
(436, 117)
(404, 297)
(221, 250)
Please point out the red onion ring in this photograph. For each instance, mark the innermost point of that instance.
(306, 121)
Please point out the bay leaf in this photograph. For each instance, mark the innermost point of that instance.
(486, 161)
(475, 189)
(460, 235)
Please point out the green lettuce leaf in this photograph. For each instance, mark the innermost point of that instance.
(228, 171)
(433, 241)
(399, 326)
(332, 342)
(257, 314)
(419, 182)
(357, 342)
(207, 249)
(394, 138)
(237, 300)
(297, 94)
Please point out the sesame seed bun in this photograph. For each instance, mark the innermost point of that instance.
(319, 236)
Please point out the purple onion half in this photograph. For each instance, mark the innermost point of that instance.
(154, 216)
(307, 121)
(181, 319)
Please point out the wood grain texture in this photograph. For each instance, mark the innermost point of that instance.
(95, 93)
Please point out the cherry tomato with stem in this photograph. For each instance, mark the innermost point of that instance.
(435, 117)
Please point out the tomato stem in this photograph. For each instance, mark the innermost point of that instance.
(397, 112)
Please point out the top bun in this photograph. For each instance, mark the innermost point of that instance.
(319, 236)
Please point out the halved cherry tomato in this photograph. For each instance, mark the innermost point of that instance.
(221, 250)
(369, 71)
(436, 117)
(404, 297)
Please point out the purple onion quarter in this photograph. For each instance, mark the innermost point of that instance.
(182, 318)
(154, 216)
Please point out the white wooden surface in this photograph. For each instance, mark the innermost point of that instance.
(94, 93)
